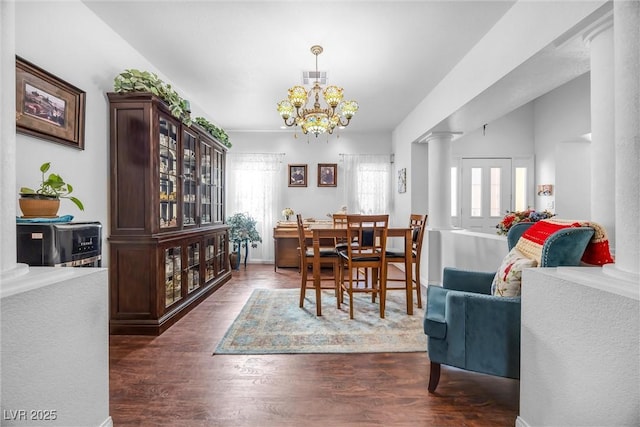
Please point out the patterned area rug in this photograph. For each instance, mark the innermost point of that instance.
(272, 323)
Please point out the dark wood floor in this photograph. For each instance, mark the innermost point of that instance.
(173, 380)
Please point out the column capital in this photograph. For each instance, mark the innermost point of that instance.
(439, 136)
(597, 28)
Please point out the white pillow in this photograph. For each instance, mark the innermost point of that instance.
(508, 278)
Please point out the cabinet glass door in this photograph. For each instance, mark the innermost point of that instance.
(206, 183)
(222, 254)
(168, 173)
(173, 275)
(193, 266)
(209, 259)
(218, 186)
(189, 176)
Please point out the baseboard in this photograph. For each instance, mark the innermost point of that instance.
(521, 423)
(107, 423)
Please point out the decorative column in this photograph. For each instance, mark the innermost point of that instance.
(8, 265)
(603, 194)
(627, 136)
(439, 178)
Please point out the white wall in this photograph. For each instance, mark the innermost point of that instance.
(512, 135)
(55, 347)
(572, 192)
(580, 350)
(311, 201)
(560, 115)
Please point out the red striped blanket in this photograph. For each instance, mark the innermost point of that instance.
(532, 240)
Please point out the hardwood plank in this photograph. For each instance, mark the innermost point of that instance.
(174, 380)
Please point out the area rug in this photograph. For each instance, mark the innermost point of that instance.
(271, 322)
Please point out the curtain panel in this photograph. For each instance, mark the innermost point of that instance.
(253, 183)
(367, 183)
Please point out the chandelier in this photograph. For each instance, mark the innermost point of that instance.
(316, 120)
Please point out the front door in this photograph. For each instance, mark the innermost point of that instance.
(486, 193)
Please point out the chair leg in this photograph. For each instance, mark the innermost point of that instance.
(434, 377)
(374, 284)
(383, 290)
(418, 286)
(336, 281)
(303, 285)
(350, 297)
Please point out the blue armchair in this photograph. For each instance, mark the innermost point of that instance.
(471, 329)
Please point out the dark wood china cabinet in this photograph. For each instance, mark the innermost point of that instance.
(168, 244)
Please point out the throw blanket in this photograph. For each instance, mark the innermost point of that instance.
(532, 240)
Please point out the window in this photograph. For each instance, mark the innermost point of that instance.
(495, 186)
(251, 184)
(454, 191)
(476, 192)
(367, 183)
(520, 189)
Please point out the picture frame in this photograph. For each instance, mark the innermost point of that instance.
(402, 180)
(327, 174)
(298, 175)
(545, 190)
(48, 107)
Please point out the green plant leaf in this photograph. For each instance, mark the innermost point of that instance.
(27, 190)
(77, 202)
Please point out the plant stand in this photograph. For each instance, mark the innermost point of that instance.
(237, 245)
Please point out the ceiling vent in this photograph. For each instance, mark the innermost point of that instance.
(310, 77)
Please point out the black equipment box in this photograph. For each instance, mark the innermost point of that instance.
(72, 244)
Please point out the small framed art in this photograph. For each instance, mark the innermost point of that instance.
(545, 190)
(327, 174)
(402, 180)
(48, 107)
(297, 175)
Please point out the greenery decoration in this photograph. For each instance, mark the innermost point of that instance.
(215, 131)
(53, 186)
(242, 229)
(133, 80)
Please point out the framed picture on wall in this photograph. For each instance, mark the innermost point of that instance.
(297, 175)
(402, 180)
(48, 107)
(327, 174)
(545, 190)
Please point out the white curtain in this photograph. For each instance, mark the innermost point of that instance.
(367, 183)
(253, 180)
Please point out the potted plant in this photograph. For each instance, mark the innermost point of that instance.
(45, 201)
(242, 233)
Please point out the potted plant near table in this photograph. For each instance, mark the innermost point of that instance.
(44, 201)
(242, 233)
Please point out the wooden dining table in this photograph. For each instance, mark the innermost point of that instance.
(319, 232)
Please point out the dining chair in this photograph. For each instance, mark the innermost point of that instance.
(417, 224)
(370, 231)
(327, 256)
(340, 220)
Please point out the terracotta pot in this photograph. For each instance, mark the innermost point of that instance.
(38, 206)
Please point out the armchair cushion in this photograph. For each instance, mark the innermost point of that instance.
(508, 279)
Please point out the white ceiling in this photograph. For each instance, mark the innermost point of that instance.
(236, 59)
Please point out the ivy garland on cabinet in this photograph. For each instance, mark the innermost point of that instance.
(132, 80)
